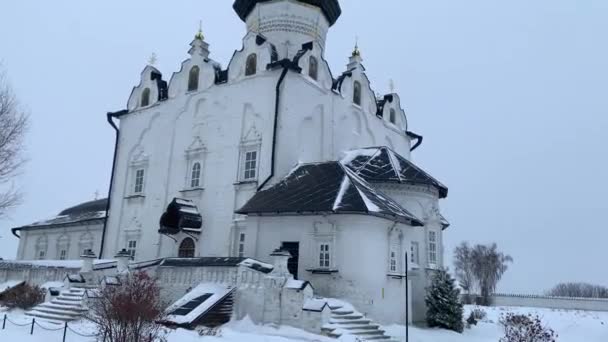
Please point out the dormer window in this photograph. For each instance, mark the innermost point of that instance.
(193, 78)
(252, 64)
(393, 116)
(145, 97)
(313, 68)
(357, 93)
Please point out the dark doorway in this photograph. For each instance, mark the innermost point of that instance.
(292, 264)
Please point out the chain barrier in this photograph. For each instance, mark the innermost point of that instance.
(48, 329)
(33, 323)
(80, 333)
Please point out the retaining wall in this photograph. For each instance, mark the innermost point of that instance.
(566, 303)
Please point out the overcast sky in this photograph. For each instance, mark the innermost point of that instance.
(510, 96)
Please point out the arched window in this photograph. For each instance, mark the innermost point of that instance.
(186, 248)
(357, 93)
(313, 67)
(195, 179)
(252, 64)
(393, 116)
(145, 97)
(193, 78)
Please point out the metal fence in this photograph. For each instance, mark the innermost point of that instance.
(65, 329)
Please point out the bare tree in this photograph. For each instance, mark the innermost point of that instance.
(463, 265)
(129, 312)
(579, 290)
(13, 127)
(488, 266)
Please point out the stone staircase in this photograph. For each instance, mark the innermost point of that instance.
(68, 306)
(346, 320)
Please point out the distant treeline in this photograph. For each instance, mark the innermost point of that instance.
(579, 290)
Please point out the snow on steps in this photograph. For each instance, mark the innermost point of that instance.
(345, 320)
(68, 306)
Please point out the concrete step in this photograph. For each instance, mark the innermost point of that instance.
(47, 316)
(64, 306)
(347, 317)
(66, 302)
(59, 311)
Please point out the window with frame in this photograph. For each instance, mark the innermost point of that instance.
(393, 261)
(393, 116)
(186, 248)
(63, 254)
(195, 175)
(414, 253)
(41, 254)
(251, 65)
(241, 245)
(132, 248)
(324, 255)
(138, 186)
(250, 164)
(193, 77)
(357, 93)
(432, 247)
(145, 97)
(313, 68)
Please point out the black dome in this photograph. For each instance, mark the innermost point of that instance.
(86, 207)
(331, 8)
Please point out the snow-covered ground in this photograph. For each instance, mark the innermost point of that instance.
(572, 326)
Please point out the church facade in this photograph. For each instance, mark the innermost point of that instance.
(277, 151)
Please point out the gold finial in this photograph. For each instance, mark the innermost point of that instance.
(356, 51)
(153, 59)
(199, 34)
(391, 85)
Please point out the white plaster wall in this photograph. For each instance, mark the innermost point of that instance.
(360, 254)
(217, 120)
(77, 237)
(564, 303)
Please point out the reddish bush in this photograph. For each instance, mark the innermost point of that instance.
(23, 297)
(522, 328)
(129, 312)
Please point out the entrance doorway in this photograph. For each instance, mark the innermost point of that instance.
(292, 264)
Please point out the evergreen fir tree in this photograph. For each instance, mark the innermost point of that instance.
(444, 308)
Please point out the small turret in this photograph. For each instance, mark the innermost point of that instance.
(199, 46)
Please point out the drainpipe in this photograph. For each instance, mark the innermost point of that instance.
(418, 140)
(117, 131)
(285, 64)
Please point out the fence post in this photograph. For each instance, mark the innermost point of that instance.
(33, 322)
(4, 322)
(150, 340)
(65, 330)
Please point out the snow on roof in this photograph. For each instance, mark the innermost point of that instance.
(216, 292)
(7, 285)
(314, 304)
(76, 264)
(52, 284)
(296, 284)
(257, 265)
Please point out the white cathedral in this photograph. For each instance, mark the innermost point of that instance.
(272, 152)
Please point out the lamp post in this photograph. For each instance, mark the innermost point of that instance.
(407, 302)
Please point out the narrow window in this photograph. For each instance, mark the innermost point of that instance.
(324, 255)
(132, 248)
(414, 253)
(193, 78)
(313, 68)
(251, 162)
(242, 245)
(145, 97)
(357, 93)
(62, 254)
(432, 247)
(251, 65)
(393, 116)
(139, 181)
(186, 248)
(41, 255)
(195, 179)
(393, 263)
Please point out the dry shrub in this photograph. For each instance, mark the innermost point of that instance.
(24, 297)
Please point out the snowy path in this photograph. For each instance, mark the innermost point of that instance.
(572, 326)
